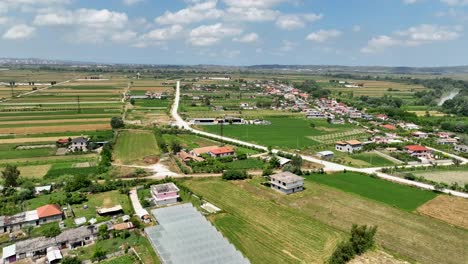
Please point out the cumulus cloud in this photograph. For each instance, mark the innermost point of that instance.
(207, 35)
(251, 14)
(253, 3)
(248, 38)
(413, 36)
(193, 13)
(158, 36)
(29, 5)
(295, 21)
(83, 17)
(455, 2)
(124, 37)
(323, 35)
(18, 32)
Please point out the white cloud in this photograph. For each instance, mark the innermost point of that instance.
(248, 38)
(194, 13)
(131, 2)
(295, 21)
(410, 2)
(253, 3)
(124, 37)
(163, 34)
(207, 35)
(455, 2)
(83, 17)
(411, 37)
(287, 46)
(3, 20)
(251, 14)
(17, 32)
(323, 35)
(29, 5)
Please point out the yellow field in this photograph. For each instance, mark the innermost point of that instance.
(49, 129)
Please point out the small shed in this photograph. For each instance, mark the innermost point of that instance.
(325, 154)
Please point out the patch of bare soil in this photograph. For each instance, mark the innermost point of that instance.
(450, 209)
(151, 159)
(378, 256)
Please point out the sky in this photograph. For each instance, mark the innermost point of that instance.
(238, 32)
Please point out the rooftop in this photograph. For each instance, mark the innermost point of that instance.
(287, 177)
(203, 150)
(49, 210)
(416, 148)
(222, 150)
(164, 188)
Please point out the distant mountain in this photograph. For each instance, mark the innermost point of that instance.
(317, 69)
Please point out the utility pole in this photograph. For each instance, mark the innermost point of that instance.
(78, 103)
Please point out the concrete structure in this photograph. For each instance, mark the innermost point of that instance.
(286, 182)
(461, 148)
(419, 134)
(315, 114)
(164, 194)
(79, 144)
(42, 215)
(325, 154)
(418, 151)
(110, 211)
(348, 146)
(447, 141)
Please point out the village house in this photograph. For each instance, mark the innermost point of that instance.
(461, 148)
(114, 210)
(354, 114)
(418, 151)
(419, 134)
(42, 215)
(445, 134)
(197, 152)
(408, 126)
(389, 127)
(50, 247)
(79, 144)
(164, 194)
(221, 152)
(286, 182)
(447, 141)
(314, 114)
(350, 146)
(186, 157)
(325, 154)
(382, 117)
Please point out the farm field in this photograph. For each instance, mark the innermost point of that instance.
(449, 177)
(284, 132)
(453, 210)
(393, 194)
(250, 217)
(379, 88)
(373, 159)
(134, 145)
(408, 234)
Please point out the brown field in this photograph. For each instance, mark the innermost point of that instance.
(432, 113)
(453, 210)
(54, 121)
(37, 171)
(48, 129)
(379, 256)
(449, 177)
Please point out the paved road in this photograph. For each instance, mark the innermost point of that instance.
(328, 166)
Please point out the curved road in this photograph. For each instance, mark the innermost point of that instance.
(328, 166)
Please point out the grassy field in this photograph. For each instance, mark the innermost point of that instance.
(397, 195)
(255, 212)
(284, 132)
(133, 146)
(373, 159)
(264, 231)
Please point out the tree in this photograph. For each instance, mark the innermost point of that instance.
(103, 232)
(78, 182)
(274, 162)
(99, 254)
(234, 175)
(132, 101)
(117, 122)
(362, 238)
(70, 260)
(296, 161)
(10, 175)
(175, 146)
(343, 253)
(52, 231)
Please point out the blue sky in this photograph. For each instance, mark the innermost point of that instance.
(238, 32)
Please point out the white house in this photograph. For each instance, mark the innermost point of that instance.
(325, 154)
(79, 144)
(419, 134)
(287, 182)
(461, 148)
(348, 146)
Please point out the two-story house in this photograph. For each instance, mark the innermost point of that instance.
(164, 194)
(286, 182)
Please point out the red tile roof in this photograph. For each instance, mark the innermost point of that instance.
(222, 150)
(389, 127)
(49, 210)
(416, 148)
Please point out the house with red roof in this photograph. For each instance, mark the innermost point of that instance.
(418, 151)
(49, 213)
(221, 152)
(389, 127)
(382, 117)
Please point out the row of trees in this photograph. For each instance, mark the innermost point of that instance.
(361, 240)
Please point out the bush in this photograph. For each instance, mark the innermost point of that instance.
(70, 260)
(51, 231)
(361, 240)
(235, 175)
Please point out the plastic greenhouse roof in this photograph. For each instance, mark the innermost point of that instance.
(185, 236)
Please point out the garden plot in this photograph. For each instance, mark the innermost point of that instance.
(334, 137)
(453, 210)
(449, 177)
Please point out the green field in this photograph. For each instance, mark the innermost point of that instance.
(397, 195)
(373, 159)
(269, 227)
(264, 231)
(284, 132)
(134, 146)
